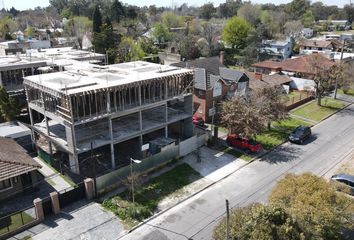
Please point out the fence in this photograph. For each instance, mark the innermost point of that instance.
(114, 179)
(17, 222)
(71, 196)
(298, 99)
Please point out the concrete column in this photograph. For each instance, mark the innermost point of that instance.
(89, 188)
(112, 145)
(55, 202)
(74, 163)
(166, 120)
(48, 133)
(38, 206)
(0, 79)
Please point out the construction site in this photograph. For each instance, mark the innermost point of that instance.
(95, 118)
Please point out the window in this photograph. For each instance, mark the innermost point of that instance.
(5, 184)
(217, 89)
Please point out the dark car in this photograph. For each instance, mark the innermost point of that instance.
(248, 144)
(300, 134)
(345, 179)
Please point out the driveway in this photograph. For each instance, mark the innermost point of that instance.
(332, 141)
(81, 220)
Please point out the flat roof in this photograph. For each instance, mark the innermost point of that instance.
(13, 130)
(13, 62)
(87, 77)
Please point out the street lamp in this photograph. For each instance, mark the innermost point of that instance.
(131, 175)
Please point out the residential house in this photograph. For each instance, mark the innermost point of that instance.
(258, 81)
(278, 50)
(303, 66)
(111, 110)
(18, 171)
(308, 46)
(213, 83)
(307, 33)
(18, 132)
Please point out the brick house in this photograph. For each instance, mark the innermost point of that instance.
(18, 171)
(213, 83)
(308, 46)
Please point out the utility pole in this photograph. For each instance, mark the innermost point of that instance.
(227, 220)
(341, 59)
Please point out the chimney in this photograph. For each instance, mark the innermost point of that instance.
(222, 57)
(258, 76)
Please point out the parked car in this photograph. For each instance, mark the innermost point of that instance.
(248, 144)
(300, 134)
(346, 180)
(198, 121)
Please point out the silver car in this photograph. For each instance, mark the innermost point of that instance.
(346, 179)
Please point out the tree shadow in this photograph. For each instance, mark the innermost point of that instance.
(283, 153)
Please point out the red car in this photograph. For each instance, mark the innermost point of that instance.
(248, 144)
(198, 121)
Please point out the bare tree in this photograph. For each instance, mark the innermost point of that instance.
(271, 102)
(209, 32)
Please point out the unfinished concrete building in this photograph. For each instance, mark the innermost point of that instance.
(110, 112)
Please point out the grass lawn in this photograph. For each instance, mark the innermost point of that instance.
(237, 154)
(279, 132)
(317, 113)
(150, 194)
(347, 92)
(15, 222)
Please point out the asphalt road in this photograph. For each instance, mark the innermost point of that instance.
(332, 140)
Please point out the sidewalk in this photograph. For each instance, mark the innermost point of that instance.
(52, 177)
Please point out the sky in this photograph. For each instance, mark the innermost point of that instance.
(25, 4)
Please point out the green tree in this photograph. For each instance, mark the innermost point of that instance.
(161, 33)
(257, 222)
(104, 40)
(308, 20)
(318, 208)
(349, 12)
(229, 8)
(235, 32)
(96, 20)
(117, 11)
(7, 27)
(171, 20)
(9, 107)
(250, 12)
(59, 4)
(129, 50)
(78, 27)
(296, 8)
(207, 11)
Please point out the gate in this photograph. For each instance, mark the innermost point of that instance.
(71, 196)
(47, 206)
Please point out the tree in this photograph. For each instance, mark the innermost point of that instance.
(271, 102)
(207, 11)
(104, 40)
(322, 75)
(308, 19)
(240, 115)
(9, 107)
(235, 32)
(96, 20)
(132, 12)
(293, 29)
(59, 4)
(319, 209)
(161, 33)
(78, 27)
(117, 11)
(251, 13)
(7, 27)
(229, 8)
(254, 51)
(296, 8)
(129, 50)
(209, 32)
(171, 20)
(349, 12)
(259, 222)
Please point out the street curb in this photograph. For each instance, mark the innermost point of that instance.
(212, 184)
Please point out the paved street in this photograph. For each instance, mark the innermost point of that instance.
(331, 143)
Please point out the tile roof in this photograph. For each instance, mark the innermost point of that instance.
(304, 64)
(267, 80)
(14, 160)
